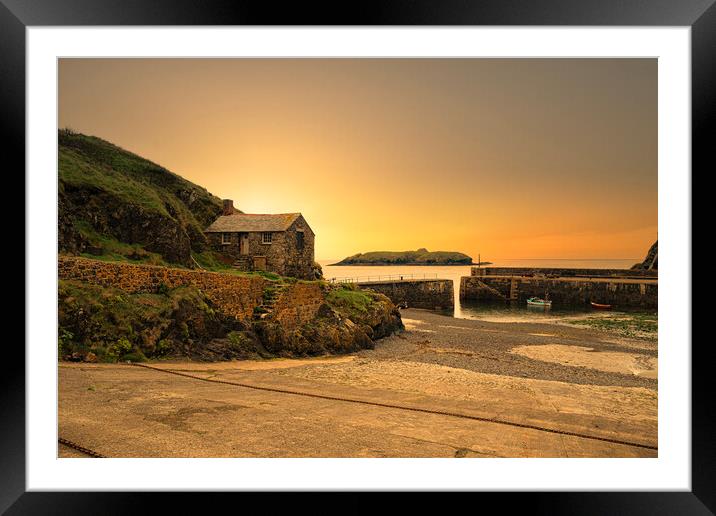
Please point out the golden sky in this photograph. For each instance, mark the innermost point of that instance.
(510, 158)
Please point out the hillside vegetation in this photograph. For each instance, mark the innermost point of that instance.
(419, 257)
(106, 324)
(114, 204)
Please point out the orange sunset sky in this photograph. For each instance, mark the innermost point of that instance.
(510, 158)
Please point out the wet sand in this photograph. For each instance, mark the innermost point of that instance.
(580, 356)
(548, 378)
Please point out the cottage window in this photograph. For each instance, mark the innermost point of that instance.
(226, 238)
(266, 238)
(299, 240)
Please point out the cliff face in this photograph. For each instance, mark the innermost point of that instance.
(113, 202)
(652, 258)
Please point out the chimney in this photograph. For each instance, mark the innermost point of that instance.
(228, 207)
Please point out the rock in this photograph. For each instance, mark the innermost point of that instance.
(383, 317)
(90, 357)
(331, 331)
(180, 323)
(317, 271)
(183, 321)
(167, 220)
(651, 260)
(325, 311)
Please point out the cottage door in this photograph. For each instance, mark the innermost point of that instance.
(244, 243)
(259, 263)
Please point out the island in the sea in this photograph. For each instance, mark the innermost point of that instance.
(419, 257)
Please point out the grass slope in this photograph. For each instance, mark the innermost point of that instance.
(92, 169)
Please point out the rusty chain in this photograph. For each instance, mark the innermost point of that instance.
(403, 407)
(81, 449)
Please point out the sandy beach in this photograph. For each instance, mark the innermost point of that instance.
(445, 387)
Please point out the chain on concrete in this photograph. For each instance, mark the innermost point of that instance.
(81, 449)
(403, 407)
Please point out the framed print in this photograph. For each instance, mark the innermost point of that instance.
(294, 251)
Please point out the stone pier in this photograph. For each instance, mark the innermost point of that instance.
(433, 294)
(565, 287)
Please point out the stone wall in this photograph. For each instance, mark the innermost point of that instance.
(281, 318)
(524, 271)
(298, 305)
(235, 296)
(294, 261)
(283, 255)
(431, 294)
(564, 291)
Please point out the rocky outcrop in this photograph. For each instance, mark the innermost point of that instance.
(100, 322)
(332, 330)
(651, 262)
(114, 325)
(110, 216)
(114, 202)
(317, 271)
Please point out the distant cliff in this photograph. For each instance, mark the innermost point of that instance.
(652, 258)
(419, 257)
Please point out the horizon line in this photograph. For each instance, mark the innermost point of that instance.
(535, 259)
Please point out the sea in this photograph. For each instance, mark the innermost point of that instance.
(472, 310)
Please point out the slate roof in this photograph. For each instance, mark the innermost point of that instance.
(252, 222)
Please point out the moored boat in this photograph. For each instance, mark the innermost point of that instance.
(600, 306)
(542, 303)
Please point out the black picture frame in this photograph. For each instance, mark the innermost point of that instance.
(700, 15)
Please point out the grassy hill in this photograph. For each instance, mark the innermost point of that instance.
(117, 205)
(419, 257)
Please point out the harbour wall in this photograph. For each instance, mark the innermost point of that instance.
(433, 294)
(564, 291)
(563, 272)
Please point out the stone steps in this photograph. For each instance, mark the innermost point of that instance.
(270, 297)
(243, 263)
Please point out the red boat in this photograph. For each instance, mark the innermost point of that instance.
(599, 306)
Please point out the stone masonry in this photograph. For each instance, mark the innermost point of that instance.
(429, 294)
(562, 272)
(290, 251)
(620, 292)
(298, 304)
(236, 296)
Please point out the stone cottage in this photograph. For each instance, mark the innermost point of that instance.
(280, 243)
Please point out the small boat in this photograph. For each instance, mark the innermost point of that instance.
(600, 306)
(542, 303)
